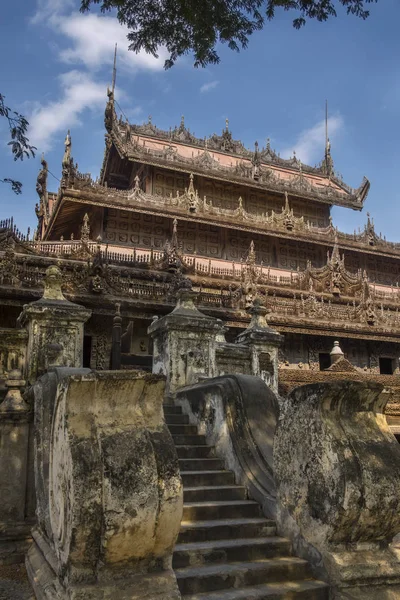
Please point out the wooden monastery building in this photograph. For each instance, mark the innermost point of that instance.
(238, 223)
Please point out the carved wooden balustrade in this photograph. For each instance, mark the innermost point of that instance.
(138, 274)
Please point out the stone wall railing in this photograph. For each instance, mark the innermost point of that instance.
(238, 414)
(337, 475)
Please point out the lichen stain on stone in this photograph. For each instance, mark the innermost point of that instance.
(119, 494)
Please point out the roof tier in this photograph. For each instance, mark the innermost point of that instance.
(223, 158)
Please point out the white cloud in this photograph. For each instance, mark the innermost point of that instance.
(79, 93)
(87, 41)
(93, 39)
(47, 8)
(310, 144)
(206, 87)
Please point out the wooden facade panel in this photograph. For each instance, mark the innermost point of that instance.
(226, 196)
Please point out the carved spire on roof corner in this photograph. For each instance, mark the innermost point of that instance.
(251, 257)
(67, 150)
(110, 109)
(42, 209)
(256, 162)
(327, 163)
(174, 239)
(287, 207)
(85, 229)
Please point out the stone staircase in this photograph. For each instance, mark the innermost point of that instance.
(227, 550)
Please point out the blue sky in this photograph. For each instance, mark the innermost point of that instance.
(57, 63)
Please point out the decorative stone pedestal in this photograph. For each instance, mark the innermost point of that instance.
(17, 499)
(184, 343)
(108, 488)
(55, 329)
(264, 343)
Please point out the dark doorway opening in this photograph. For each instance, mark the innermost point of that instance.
(87, 351)
(324, 361)
(385, 366)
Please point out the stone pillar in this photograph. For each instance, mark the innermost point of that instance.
(116, 339)
(264, 343)
(16, 506)
(55, 329)
(336, 353)
(184, 342)
(108, 488)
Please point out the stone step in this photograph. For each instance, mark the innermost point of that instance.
(182, 429)
(297, 590)
(169, 409)
(194, 478)
(214, 492)
(177, 419)
(235, 509)
(200, 464)
(188, 440)
(193, 580)
(193, 451)
(225, 529)
(220, 551)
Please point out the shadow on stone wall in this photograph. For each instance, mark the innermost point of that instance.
(238, 414)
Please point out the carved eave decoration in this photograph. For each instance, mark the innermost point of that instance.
(11, 240)
(355, 311)
(333, 277)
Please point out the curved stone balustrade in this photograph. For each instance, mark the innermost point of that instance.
(337, 471)
(238, 414)
(108, 488)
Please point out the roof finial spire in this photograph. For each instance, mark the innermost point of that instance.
(67, 151)
(114, 76)
(227, 124)
(328, 162)
(326, 127)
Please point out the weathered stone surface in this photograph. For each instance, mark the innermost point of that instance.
(184, 344)
(16, 509)
(12, 350)
(238, 414)
(108, 488)
(337, 470)
(55, 329)
(264, 343)
(14, 584)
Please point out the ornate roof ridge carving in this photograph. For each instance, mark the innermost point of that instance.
(221, 143)
(122, 134)
(261, 175)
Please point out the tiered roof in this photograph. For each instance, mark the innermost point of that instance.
(223, 158)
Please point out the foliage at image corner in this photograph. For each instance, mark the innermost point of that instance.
(19, 143)
(183, 26)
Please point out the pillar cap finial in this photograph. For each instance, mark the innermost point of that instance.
(336, 352)
(52, 284)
